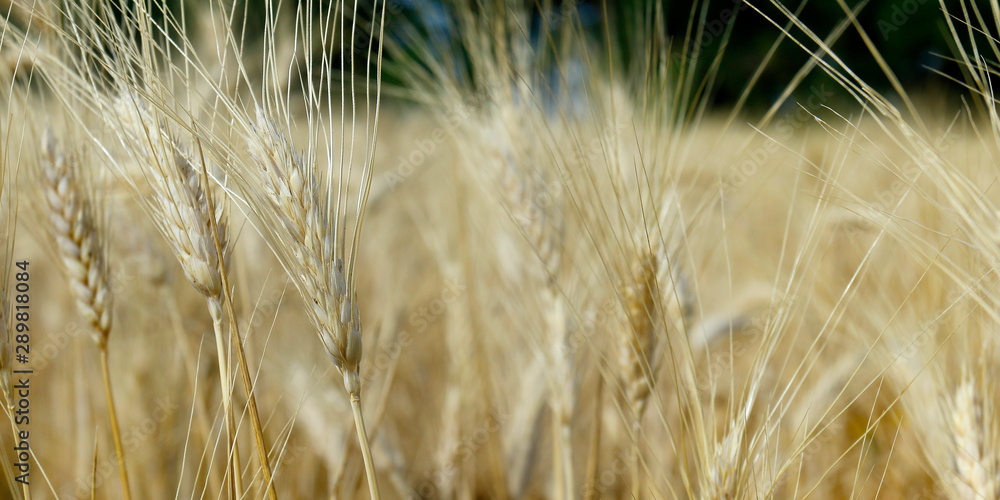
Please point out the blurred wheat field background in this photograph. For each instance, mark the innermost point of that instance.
(495, 250)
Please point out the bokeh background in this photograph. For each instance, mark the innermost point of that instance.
(910, 35)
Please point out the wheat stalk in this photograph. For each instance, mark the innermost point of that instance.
(319, 262)
(591, 489)
(541, 224)
(81, 243)
(546, 238)
(528, 195)
(195, 227)
(297, 213)
(180, 209)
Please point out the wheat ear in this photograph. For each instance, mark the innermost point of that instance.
(195, 226)
(181, 213)
(216, 227)
(221, 248)
(201, 264)
(638, 341)
(974, 465)
(732, 458)
(298, 214)
(542, 226)
(80, 243)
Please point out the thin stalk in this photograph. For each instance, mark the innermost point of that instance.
(590, 490)
(113, 416)
(568, 462)
(564, 455)
(366, 452)
(241, 358)
(258, 431)
(232, 446)
(557, 457)
(562, 389)
(636, 459)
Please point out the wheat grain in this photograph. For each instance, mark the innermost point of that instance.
(179, 201)
(73, 223)
(300, 216)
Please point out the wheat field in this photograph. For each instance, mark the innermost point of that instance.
(318, 261)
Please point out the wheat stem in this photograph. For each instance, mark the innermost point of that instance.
(557, 455)
(258, 431)
(113, 416)
(241, 362)
(224, 377)
(636, 458)
(366, 452)
(593, 458)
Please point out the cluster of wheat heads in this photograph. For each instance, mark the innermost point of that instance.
(574, 279)
(121, 91)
